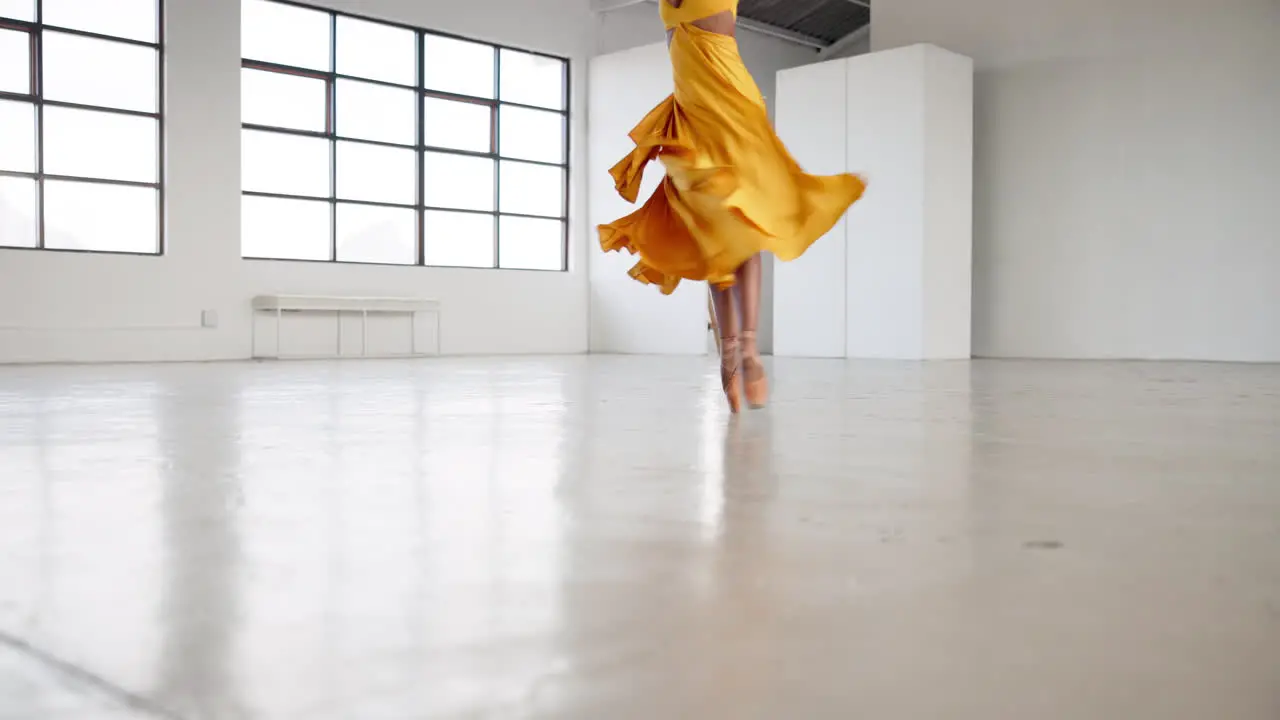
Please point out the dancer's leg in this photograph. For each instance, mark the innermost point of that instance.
(727, 326)
(748, 288)
(749, 277)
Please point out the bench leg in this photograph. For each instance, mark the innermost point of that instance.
(364, 333)
(339, 313)
(279, 316)
(413, 333)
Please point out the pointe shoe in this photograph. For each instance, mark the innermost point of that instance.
(754, 378)
(730, 381)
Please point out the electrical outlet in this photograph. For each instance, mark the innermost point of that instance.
(209, 319)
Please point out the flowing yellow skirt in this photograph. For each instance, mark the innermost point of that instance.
(732, 190)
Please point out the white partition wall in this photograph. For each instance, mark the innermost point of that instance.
(809, 292)
(904, 119)
(626, 316)
(948, 205)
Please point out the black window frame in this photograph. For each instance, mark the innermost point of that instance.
(495, 103)
(35, 31)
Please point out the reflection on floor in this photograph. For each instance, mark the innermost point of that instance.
(595, 538)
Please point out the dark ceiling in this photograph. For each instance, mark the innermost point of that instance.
(825, 21)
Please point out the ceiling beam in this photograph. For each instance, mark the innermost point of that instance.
(844, 42)
(604, 6)
(780, 33)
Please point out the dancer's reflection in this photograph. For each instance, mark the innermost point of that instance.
(749, 472)
(742, 641)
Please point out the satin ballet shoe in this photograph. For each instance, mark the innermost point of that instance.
(730, 380)
(755, 380)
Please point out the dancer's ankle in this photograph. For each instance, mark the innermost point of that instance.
(750, 348)
(730, 347)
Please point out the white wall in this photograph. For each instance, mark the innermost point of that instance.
(1126, 187)
(74, 307)
(639, 25)
(627, 316)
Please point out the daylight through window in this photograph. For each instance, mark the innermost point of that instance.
(81, 151)
(367, 141)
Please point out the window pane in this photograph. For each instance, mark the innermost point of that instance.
(99, 72)
(457, 66)
(285, 229)
(286, 164)
(18, 9)
(530, 244)
(283, 100)
(17, 136)
(533, 79)
(87, 143)
(15, 62)
(457, 125)
(377, 234)
(284, 34)
(457, 181)
(18, 212)
(376, 112)
(376, 51)
(111, 218)
(377, 174)
(454, 239)
(133, 19)
(531, 134)
(532, 189)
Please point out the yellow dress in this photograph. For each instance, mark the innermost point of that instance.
(732, 190)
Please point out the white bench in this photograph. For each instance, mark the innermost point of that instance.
(366, 306)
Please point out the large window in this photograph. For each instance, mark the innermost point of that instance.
(367, 141)
(81, 155)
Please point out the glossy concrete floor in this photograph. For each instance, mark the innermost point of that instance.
(595, 539)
